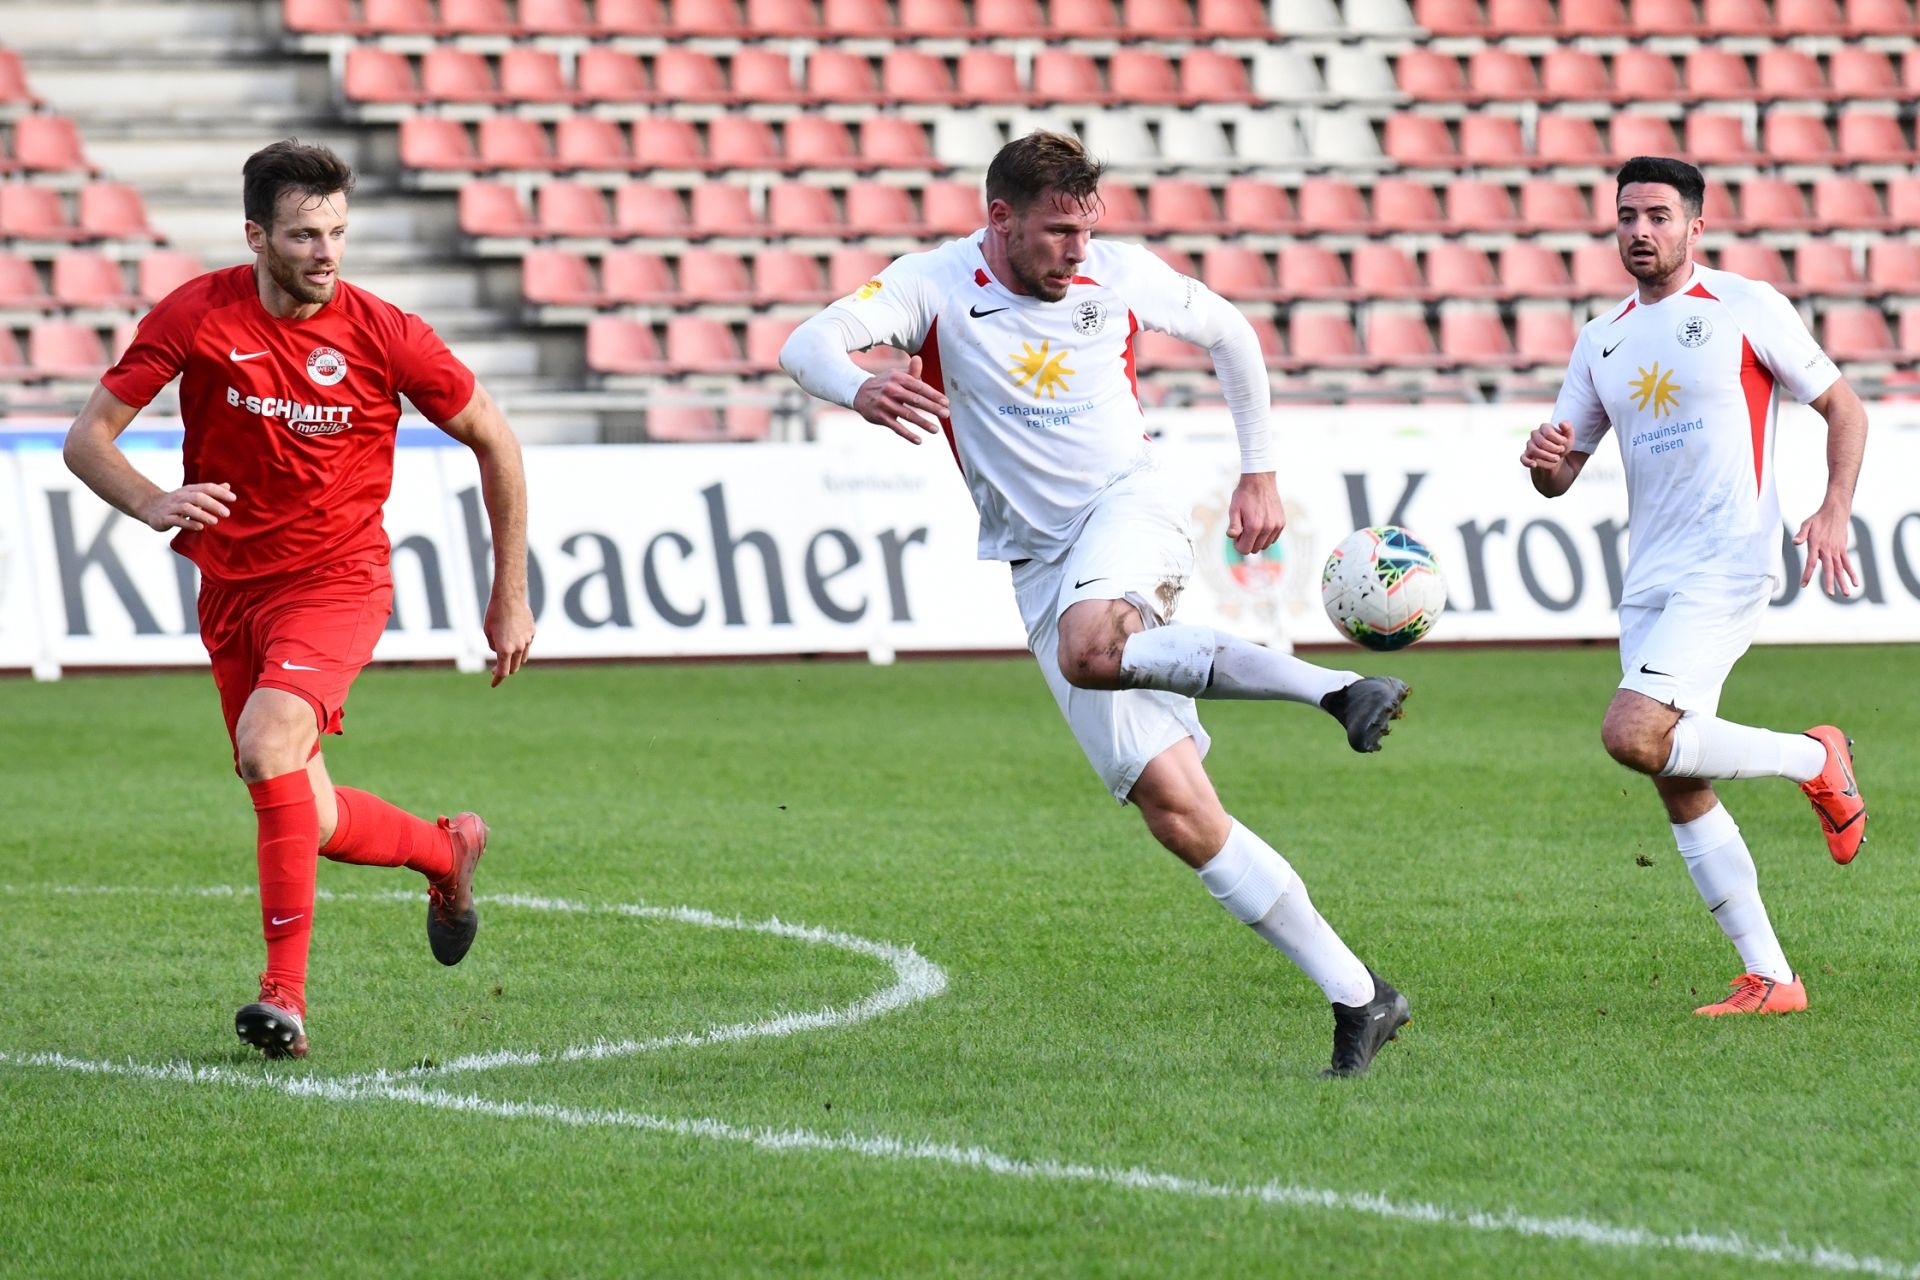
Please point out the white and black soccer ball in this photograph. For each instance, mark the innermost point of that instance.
(1382, 588)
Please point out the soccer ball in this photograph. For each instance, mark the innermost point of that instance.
(1382, 588)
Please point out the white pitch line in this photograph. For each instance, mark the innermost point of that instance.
(916, 979)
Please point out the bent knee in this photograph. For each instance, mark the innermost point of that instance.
(1635, 746)
(1090, 665)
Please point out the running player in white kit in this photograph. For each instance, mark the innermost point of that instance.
(1022, 342)
(1687, 374)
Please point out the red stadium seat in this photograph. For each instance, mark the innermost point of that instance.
(1738, 18)
(802, 209)
(374, 74)
(1211, 75)
(514, 142)
(1083, 19)
(434, 142)
(1233, 19)
(1568, 140)
(792, 19)
(1529, 269)
(317, 17)
(1419, 141)
(765, 336)
(401, 17)
(1858, 331)
(689, 75)
(618, 345)
(1310, 271)
(1717, 73)
(1456, 270)
(683, 423)
(450, 74)
(1645, 75)
(66, 349)
(1160, 20)
(631, 18)
(782, 275)
(558, 278)
(1773, 204)
(1179, 259)
(1638, 135)
(478, 18)
(1868, 136)
(857, 18)
(1597, 270)
(1154, 351)
(1847, 203)
(881, 209)
(1860, 72)
(1594, 18)
(1008, 19)
(1451, 17)
(953, 208)
(1809, 18)
(1143, 76)
(1716, 205)
(849, 268)
(1519, 18)
(1396, 335)
(817, 142)
(115, 211)
(13, 361)
(1123, 213)
(1757, 261)
(1252, 205)
(161, 271)
(591, 142)
(1474, 335)
(714, 276)
(764, 75)
(611, 75)
(1383, 270)
(649, 209)
(1785, 72)
(701, 344)
(742, 142)
(1428, 75)
(21, 288)
(840, 75)
(639, 278)
(1406, 204)
(1713, 138)
(494, 209)
(1663, 17)
(936, 19)
(565, 208)
(666, 142)
(534, 75)
(1487, 139)
(1903, 200)
(707, 18)
(1551, 204)
(1240, 273)
(88, 278)
(1065, 75)
(1502, 75)
(1879, 17)
(30, 212)
(1893, 266)
(1181, 206)
(1477, 204)
(555, 18)
(1826, 267)
(895, 142)
(913, 75)
(725, 209)
(990, 76)
(1544, 334)
(1788, 137)
(49, 144)
(1330, 204)
(1319, 337)
(1575, 74)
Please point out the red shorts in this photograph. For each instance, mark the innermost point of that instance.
(309, 636)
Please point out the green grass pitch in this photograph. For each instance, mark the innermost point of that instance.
(1116, 1080)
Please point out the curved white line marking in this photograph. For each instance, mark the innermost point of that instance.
(383, 1087)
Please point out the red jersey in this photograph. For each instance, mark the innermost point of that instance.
(298, 416)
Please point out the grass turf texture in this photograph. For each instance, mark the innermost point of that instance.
(1102, 1010)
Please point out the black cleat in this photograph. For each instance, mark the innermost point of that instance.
(1360, 1030)
(452, 920)
(270, 1026)
(1366, 707)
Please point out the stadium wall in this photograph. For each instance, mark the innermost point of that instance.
(859, 544)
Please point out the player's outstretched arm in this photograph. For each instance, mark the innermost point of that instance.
(92, 454)
(1824, 533)
(503, 487)
(1551, 459)
(817, 355)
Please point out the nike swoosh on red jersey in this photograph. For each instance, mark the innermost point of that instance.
(234, 355)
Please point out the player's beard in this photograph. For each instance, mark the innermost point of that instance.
(1661, 266)
(291, 277)
(1027, 277)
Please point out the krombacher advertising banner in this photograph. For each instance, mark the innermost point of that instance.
(863, 544)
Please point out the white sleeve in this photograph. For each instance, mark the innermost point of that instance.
(889, 310)
(1579, 402)
(1782, 343)
(1167, 302)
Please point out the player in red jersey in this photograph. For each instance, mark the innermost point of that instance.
(290, 381)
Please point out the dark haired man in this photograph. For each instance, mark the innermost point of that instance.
(1022, 335)
(290, 386)
(1686, 373)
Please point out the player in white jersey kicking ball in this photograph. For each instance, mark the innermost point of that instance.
(1022, 335)
(1687, 374)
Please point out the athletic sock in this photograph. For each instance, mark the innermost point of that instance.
(1707, 747)
(1260, 888)
(1204, 663)
(289, 832)
(1724, 873)
(373, 833)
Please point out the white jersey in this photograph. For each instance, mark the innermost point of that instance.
(1690, 384)
(1044, 410)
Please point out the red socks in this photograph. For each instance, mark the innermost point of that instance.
(289, 835)
(373, 833)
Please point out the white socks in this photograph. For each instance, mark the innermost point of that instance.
(1706, 747)
(1258, 886)
(1723, 872)
(1203, 663)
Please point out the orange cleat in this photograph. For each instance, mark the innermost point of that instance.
(1836, 796)
(452, 920)
(1755, 994)
(274, 1024)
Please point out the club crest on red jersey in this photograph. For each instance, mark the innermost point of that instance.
(326, 366)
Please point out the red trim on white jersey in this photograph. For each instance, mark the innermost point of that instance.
(1084, 280)
(1631, 304)
(1700, 291)
(1756, 382)
(929, 354)
(1133, 376)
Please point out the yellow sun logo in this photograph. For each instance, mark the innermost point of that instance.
(1048, 371)
(1658, 390)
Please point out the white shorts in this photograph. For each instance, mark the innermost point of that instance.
(1137, 543)
(1678, 643)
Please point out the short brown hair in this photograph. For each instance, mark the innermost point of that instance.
(290, 165)
(1026, 169)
